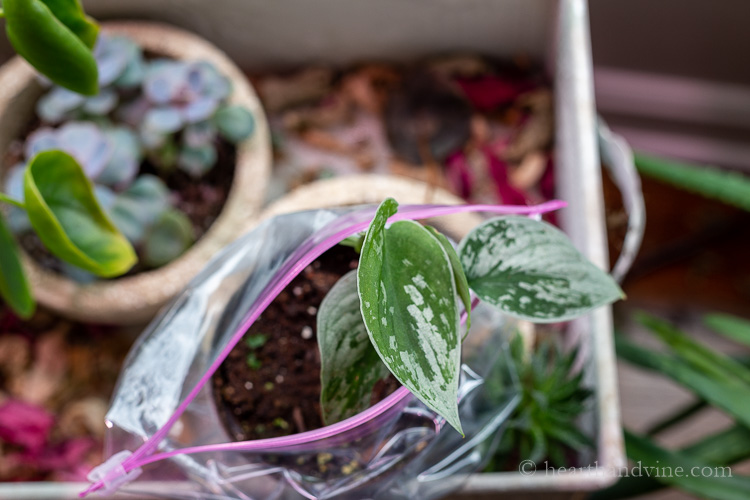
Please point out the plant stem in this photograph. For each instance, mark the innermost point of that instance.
(8, 199)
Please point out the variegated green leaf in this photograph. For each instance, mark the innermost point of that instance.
(462, 285)
(529, 269)
(349, 364)
(409, 305)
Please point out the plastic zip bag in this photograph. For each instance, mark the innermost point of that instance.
(163, 408)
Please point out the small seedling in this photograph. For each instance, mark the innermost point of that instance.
(256, 341)
(399, 312)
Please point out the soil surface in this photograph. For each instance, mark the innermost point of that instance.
(269, 385)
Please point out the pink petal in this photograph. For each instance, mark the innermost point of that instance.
(458, 174)
(24, 424)
(490, 92)
(499, 172)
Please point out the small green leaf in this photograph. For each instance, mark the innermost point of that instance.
(349, 365)
(253, 362)
(67, 218)
(408, 300)
(462, 285)
(14, 287)
(529, 269)
(355, 241)
(168, 238)
(235, 123)
(49, 44)
(256, 341)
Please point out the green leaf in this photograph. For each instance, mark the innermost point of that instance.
(726, 447)
(67, 218)
(140, 206)
(49, 45)
(722, 484)
(730, 396)
(14, 287)
(735, 328)
(529, 269)
(462, 285)
(355, 241)
(729, 187)
(349, 365)
(680, 415)
(235, 123)
(408, 299)
(168, 238)
(71, 14)
(256, 341)
(710, 362)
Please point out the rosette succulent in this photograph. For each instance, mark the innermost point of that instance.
(170, 112)
(177, 109)
(140, 207)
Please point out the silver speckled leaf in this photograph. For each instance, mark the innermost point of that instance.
(530, 269)
(349, 365)
(410, 307)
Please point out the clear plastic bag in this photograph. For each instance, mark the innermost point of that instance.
(163, 409)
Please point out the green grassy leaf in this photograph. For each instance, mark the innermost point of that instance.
(729, 187)
(529, 269)
(679, 416)
(730, 396)
(14, 287)
(721, 485)
(701, 357)
(349, 365)
(51, 44)
(732, 327)
(409, 305)
(67, 218)
(726, 447)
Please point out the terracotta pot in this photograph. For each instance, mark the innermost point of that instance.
(136, 299)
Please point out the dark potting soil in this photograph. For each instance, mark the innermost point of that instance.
(200, 199)
(273, 389)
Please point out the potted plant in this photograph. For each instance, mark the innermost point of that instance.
(153, 172)
(395, 316)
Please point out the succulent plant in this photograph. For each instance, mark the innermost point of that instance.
(110, 156)
(177, 109)
(171, 112)
(554, 396)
